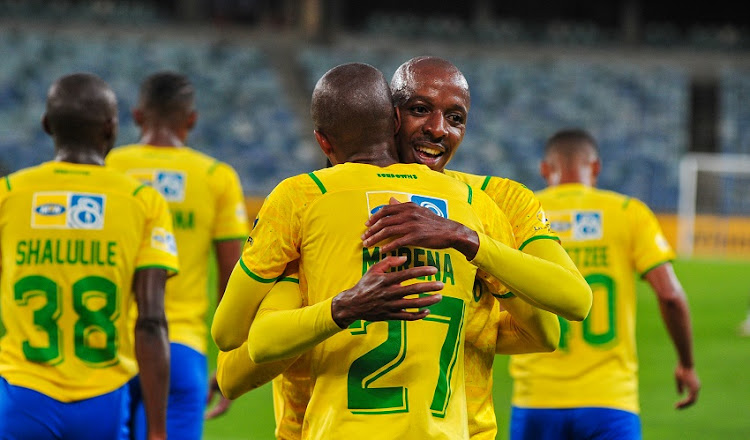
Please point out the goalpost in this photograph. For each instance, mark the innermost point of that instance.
(713, 216)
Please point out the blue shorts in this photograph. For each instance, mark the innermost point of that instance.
(28, 414)
(188, 391)
(574, 424)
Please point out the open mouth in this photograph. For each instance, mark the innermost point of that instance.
(427, 155)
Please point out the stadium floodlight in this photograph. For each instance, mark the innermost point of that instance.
(715, 186)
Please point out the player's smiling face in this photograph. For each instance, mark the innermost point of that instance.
(433, 118)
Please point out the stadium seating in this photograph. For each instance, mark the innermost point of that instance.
(638, 114)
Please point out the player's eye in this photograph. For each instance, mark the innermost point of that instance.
(456, 118)
(419, 109)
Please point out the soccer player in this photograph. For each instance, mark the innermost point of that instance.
(365, 373)
(588, 388)
(208, 211)
(79, 243)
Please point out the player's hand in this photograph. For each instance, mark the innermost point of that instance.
(379, 295)
(412, 225)
(687, 381)
(222, 405)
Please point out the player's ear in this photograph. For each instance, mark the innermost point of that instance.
(544, 169)
(324, 143)
(192, 119)
(396, 120)
(596, 168)
(45, 125)
(138, 116)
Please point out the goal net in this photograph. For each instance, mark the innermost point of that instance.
(713, 217)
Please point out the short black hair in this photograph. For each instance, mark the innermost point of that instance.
(78, 106)
(167, 96)
(352, 104)
(571, 140)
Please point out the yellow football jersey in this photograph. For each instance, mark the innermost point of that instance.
(383, 379)
(207, 205)
(609, 236)
(71, 238)
(525, 214)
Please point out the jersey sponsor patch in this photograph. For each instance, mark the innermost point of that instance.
(163, 240)
(576, 225)
(587, 225)
(378, 199)
(170, 184)
(67, 210)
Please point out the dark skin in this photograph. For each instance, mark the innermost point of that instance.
(379, 295)
(582, 165)
(159, 132)
(100, 114)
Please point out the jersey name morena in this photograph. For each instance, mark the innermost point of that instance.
(415, 257)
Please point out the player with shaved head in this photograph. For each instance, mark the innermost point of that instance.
(80, 243)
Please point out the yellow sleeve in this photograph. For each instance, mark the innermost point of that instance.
(285, 330)
(158, 247)
(271, 246)
(542, 275)
(650, 247)
(236, 372)
(231, 217)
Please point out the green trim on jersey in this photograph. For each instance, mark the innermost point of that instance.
(317, 182)
(486, 182)
(625, 203)
(138, 189)
(230, 238)
(504, 295)
(643, 274)
(538, 237)
(7, 182)
(213, 167)
(289, 279)
(256, 277)
(471, 193)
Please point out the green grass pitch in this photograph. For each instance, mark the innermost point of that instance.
(718, 292)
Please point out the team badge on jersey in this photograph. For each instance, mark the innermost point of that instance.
(67, 210)
(163, 240)
(169, 183)
(576, 225)
(378, 199)
(587, 225)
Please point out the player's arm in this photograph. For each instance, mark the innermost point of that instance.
(236, 373)
(543, 274)
(676, 316)
(285, 330)
(524, 328)
(152, 347)
(273, 243)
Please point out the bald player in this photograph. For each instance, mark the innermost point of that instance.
(588, 388)
(79, 244)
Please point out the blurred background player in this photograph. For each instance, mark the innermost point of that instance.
(588, 388)
(77, 239)
(207, 205)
